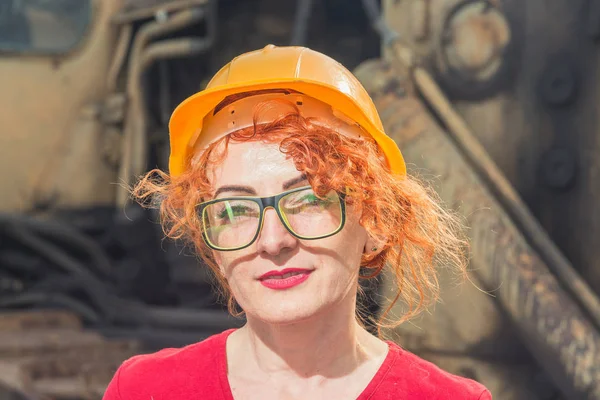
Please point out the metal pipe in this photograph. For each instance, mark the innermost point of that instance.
(134, 151)
(139, 10)
(119, 57)
(173, 48)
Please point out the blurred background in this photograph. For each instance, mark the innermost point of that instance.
(495, 102)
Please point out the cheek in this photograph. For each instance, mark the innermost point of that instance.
(354, 237)
(340, 256)
(225, 267)
(235, 268)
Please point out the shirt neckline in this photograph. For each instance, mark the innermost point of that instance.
(367, 393)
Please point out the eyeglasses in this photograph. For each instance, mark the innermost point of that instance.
(234, 223)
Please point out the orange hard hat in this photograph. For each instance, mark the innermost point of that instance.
(298, 69)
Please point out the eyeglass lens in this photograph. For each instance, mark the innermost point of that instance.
(234, 223)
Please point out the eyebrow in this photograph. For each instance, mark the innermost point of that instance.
(250, 190)
(294, 181)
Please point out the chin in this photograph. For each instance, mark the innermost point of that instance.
(286, 312)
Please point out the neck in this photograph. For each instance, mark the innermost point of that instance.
(328, 345)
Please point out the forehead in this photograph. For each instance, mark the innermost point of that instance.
(256, 164)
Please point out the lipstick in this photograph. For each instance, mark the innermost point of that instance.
(284, 279)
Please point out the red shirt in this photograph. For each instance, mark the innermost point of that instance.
(199, 371)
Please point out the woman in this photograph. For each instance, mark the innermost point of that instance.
(283, 180)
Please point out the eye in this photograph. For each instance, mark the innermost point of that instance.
(228, 212)
(304, 202)
(310, 199)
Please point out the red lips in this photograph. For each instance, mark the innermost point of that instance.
(284, 279)
(279, 274)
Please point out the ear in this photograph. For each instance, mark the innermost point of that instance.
(374, 246)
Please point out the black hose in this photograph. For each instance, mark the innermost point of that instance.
(57, 283)
(24, 265)
(9, 283)
(53, 254)
(94, 287)
(112, 308)
(66, 235)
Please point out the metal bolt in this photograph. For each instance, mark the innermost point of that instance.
(558, 83)
(474, 38)
(558, 169)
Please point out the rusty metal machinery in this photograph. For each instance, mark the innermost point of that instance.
(83, 111)
(552, 325)
(528, 326)
(551, 307)
(539, 124)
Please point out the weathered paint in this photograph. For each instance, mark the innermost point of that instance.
(552, 326)
(49, 122)
(535, 115)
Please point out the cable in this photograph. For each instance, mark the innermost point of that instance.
(66, 235)
(94, 287)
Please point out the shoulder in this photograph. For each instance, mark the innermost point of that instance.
(423, 379)
(171, 373)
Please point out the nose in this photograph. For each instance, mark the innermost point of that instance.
(274, 237)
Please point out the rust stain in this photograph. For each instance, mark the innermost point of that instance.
(504, 261)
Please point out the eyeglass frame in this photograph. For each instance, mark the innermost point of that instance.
(264, 203)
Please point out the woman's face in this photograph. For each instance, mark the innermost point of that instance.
(329, 266)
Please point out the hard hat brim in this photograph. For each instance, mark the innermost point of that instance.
(186, 120)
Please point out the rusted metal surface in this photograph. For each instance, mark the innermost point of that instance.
(47, 353)
(40, 116)
(471, 45)
(541, 129)
(58, 141)
(552, 325)
(452, 334)
(473, 40)
(500, 187)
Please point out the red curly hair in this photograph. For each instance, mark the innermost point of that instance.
(400, 212)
